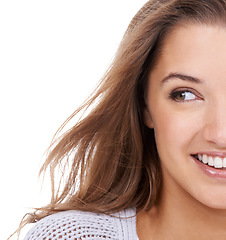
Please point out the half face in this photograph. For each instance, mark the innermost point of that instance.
(186, 106)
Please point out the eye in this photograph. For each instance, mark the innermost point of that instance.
(183, 95)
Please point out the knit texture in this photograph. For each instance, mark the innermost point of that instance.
(77, 225)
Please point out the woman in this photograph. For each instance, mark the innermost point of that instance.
(148, 159)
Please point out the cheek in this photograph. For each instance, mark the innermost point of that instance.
(174, 131)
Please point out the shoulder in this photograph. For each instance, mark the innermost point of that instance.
(85, 225)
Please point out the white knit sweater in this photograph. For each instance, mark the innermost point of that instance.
(77, 225)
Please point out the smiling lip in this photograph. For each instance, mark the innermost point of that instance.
(217, 172)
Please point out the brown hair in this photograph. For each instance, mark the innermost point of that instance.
(108, 160)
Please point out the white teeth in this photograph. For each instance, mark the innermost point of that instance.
(224, 162)
(205, 159)
(210, 161)
(216, 162)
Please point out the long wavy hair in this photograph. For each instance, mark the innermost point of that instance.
(108, 160)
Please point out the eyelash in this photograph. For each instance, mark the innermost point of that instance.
(173, 94)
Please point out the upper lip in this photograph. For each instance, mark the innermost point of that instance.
(211, 153)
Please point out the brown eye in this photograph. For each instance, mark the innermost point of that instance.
(182, 96)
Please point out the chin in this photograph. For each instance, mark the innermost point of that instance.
(213, 201)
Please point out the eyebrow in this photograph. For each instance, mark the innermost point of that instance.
(182, 77)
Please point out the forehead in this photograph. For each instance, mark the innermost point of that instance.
(193, 47)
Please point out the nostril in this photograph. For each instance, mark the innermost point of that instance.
(215, 134)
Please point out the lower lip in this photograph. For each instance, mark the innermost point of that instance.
(211, 171)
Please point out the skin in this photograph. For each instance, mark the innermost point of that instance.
(192, 204)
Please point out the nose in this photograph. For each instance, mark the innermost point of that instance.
(215, 125)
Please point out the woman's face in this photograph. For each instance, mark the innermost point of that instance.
(186, 106)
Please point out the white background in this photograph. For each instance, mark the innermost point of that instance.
(52, 54)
